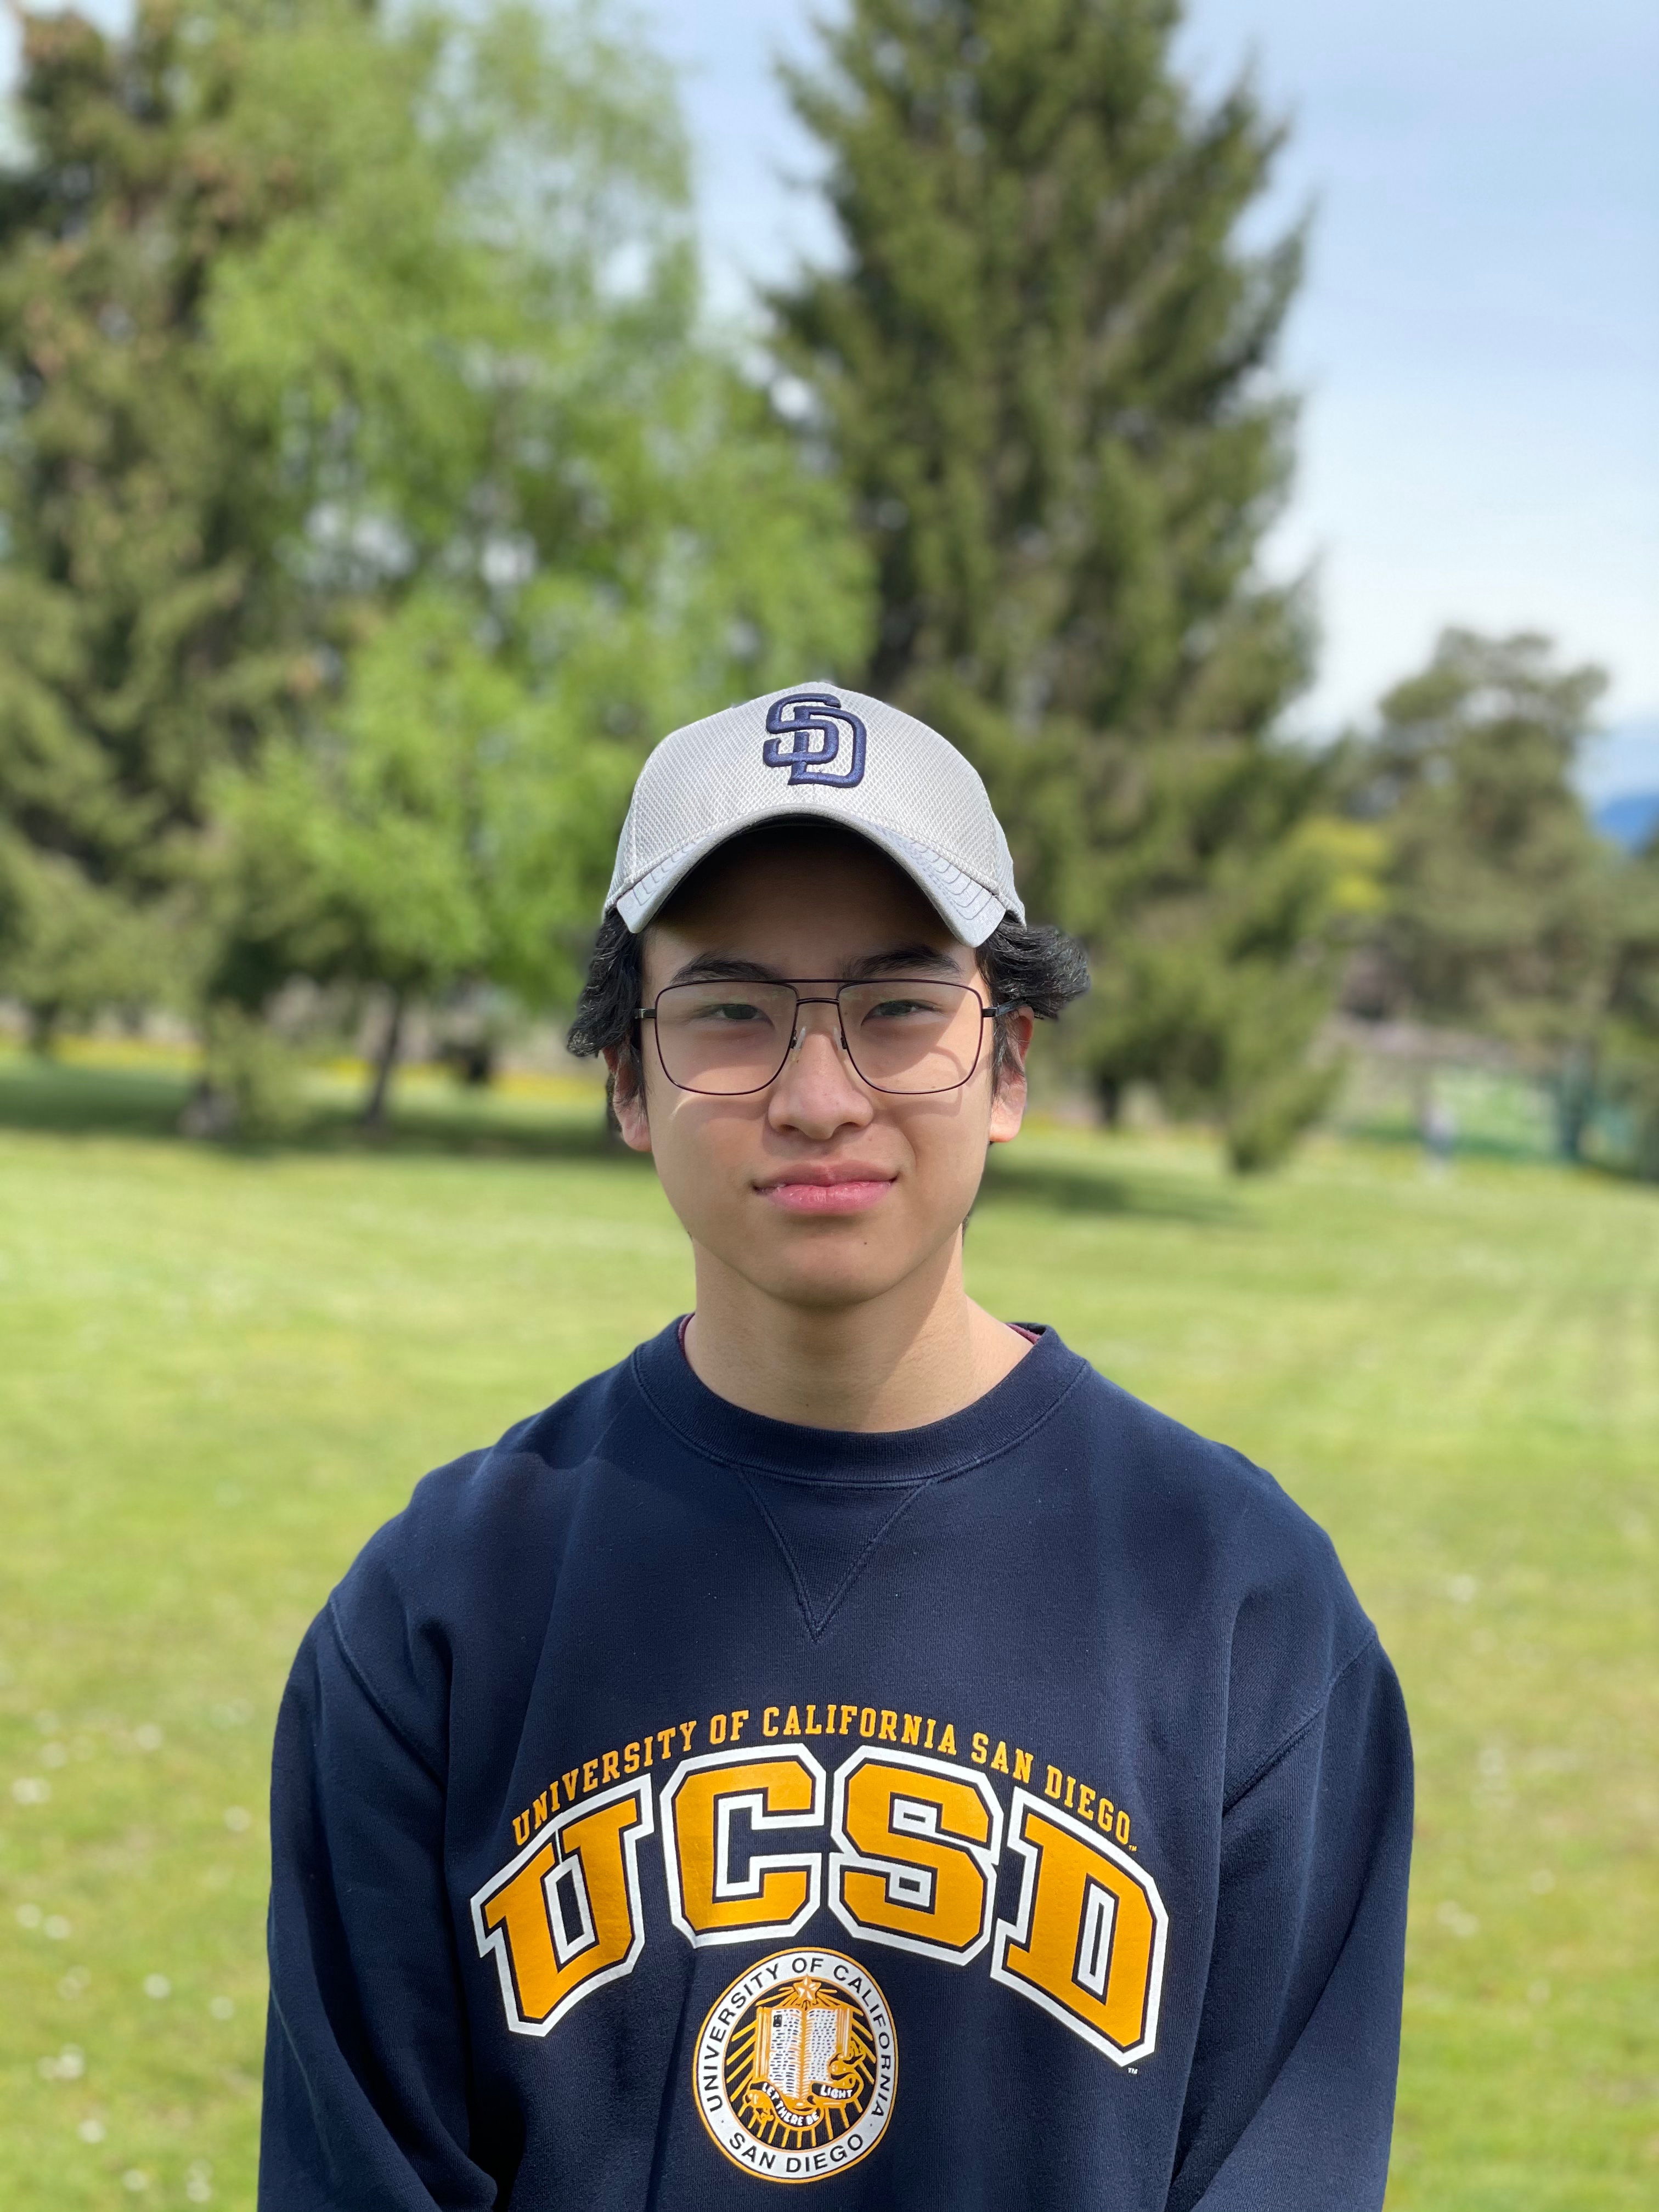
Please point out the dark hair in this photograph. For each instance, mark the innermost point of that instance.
(1023, 965)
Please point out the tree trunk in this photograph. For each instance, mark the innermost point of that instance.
(477, 1062)
(386, 1061)
(44, 1015)
(1575, 1101)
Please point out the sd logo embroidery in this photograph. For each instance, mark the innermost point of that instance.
(805, 739)
(796, 2067)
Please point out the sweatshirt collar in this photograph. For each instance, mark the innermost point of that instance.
(720, 1430)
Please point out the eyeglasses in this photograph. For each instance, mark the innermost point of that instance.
(901, 1034)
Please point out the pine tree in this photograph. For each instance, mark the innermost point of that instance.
(1044, 365)
(140, 648)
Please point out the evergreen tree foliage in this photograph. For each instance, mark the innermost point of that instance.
(1044, 365)
(140, 647)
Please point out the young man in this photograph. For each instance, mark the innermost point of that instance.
(851, 1744)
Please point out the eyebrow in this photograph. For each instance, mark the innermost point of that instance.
(896, 960)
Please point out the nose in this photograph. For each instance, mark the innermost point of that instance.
(817, 1090)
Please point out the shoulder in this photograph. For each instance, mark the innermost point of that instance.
(477, 1503)
(1217, 1506)
(475, 1550)
(1222, 1543)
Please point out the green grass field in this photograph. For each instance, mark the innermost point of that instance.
(220, 1370)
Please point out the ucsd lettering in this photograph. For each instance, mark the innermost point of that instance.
(914, 1847)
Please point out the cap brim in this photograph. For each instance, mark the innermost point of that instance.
(967, 908)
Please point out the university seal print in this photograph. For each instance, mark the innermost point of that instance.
(797, 2065)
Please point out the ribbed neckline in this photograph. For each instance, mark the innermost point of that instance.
(720, 1430)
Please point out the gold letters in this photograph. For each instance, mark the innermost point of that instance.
(918, 1843)
(1087, 1943)
(564, 1918)
(709, 1900)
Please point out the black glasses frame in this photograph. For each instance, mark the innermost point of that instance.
(857, 983)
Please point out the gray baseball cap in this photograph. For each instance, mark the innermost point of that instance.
(817, 753)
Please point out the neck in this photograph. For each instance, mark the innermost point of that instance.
(914, 1354)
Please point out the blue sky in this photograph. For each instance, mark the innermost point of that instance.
(1478, 341)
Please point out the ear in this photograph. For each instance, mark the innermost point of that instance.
(1008, 1098)
(628, 1097)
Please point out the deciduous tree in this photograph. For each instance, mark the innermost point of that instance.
(1496, 911)
(375, 495)
(1503, 911)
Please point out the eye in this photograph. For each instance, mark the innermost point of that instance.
(729, 1011)
(896, 1010)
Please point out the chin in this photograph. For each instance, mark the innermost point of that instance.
(820, 1295)
(825, 1279)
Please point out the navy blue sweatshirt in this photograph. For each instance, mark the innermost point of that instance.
(673, 1803)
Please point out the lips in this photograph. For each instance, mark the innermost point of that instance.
(814, 1190)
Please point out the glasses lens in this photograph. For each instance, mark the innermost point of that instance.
(724, 1038)
(910, 1036)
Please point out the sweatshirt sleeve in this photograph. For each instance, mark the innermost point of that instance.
(365, 2060)
(1290, 2105)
